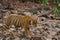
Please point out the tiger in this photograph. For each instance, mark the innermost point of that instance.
(19, 20)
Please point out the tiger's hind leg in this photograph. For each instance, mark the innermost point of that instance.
(16, 27)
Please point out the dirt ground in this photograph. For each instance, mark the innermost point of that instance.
(48, 27)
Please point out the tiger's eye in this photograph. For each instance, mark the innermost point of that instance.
(30, 22)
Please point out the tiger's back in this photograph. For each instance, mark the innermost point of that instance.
(13, 20)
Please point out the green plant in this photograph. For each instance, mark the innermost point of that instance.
(56, 7)
(55, 10)
(44, 2)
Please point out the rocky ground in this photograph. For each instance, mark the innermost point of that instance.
(48, 27)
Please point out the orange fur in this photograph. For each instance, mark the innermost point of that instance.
(18, 20)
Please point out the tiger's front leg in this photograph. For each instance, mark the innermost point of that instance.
(27, 32)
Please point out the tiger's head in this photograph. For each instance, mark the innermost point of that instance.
(33, 21)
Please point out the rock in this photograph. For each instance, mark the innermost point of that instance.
(37, 38)
(57, 18)
(28, 13)
(17, 38)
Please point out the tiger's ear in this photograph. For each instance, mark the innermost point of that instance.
(35, 16)
(38, 20)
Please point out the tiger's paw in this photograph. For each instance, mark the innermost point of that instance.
(28, 36)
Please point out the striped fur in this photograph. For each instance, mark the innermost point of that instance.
(19, 20)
